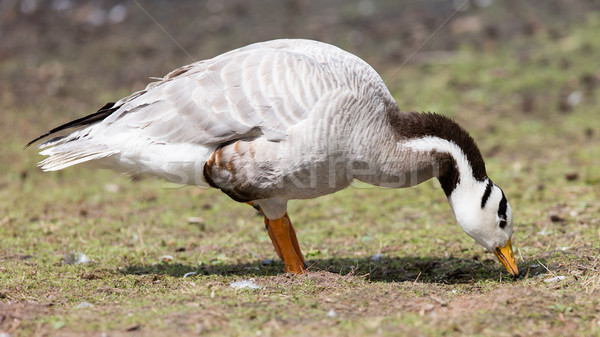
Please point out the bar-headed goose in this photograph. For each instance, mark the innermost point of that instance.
(281, 120)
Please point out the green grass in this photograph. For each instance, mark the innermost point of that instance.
(433, 279)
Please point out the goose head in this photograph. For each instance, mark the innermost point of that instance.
(483, 212)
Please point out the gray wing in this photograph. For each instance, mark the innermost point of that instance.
(259, 90)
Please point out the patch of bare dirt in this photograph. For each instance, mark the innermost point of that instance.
(522, 306)
(500, 299)
(201, 320)
(12, 315)
(323, 278)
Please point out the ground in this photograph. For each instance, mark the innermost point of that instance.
(382, 261)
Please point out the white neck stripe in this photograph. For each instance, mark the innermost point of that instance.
(429, 144)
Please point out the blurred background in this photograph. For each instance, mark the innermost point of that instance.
(48, 46)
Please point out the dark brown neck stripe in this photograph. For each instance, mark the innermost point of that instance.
(418, 125)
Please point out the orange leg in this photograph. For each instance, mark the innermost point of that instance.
(273, 239)
(285, 242)
(283, 236)
(294, 239)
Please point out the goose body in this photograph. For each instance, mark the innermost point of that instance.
(281, 120)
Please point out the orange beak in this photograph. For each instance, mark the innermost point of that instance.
(507, 258)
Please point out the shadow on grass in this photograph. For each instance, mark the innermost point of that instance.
(398, 269)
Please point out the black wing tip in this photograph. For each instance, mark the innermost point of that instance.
(99, 115)
(42, 137)
(35, 140)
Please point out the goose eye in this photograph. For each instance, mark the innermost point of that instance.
(502, 223)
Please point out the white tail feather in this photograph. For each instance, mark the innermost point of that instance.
(63, 156)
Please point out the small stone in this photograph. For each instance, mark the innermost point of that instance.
(574, 98)
(331, 313)
(244, 284)
(85, 305)
(75, 258)
(377, 257)
(555, 279)
(117, 14)
(111, 188)
(196, 220)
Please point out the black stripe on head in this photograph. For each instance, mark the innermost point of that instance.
(502, 206)
(486, 194)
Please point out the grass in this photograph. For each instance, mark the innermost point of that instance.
(432, 279)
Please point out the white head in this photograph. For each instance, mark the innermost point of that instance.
(483, 212)
(480, 206)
